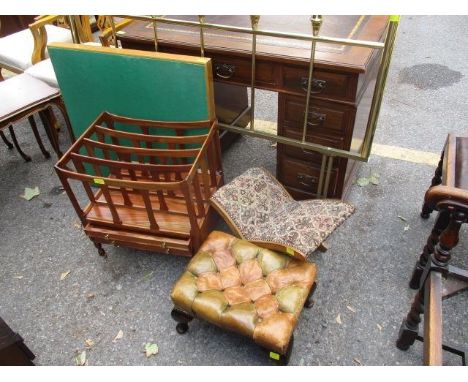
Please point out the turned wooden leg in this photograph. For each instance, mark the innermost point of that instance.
(27, 158)
(409, 327)
(32, 122)
(100, 249)
(439, 226)
(436, 180)
(429, 301)
(182, 318)
(309, 303)
(6, 141)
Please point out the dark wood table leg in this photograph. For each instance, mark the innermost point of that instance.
(51, 132)
(27, 158)
(32, 122)
(433, 320)
(6, 141)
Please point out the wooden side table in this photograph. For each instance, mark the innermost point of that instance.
(22, 96)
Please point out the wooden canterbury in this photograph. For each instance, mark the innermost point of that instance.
(145, 189)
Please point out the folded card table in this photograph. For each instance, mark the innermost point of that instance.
(247, 289)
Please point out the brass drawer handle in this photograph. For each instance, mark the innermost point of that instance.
(306, 180)
(317, 85)
(316, 119)
(225, 71)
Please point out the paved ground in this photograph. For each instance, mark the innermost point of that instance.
(367, 266)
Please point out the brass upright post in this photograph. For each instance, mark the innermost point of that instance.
(379, 87)
(155, 31)
(201, 19)
(316, 22)
(254, 21)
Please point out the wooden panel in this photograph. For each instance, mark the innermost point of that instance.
(325, 118)
(303, 176)
(236, 70)
(135, 84)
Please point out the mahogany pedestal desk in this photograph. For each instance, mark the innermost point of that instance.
(341, 91)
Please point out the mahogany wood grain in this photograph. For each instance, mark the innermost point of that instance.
(158, 202)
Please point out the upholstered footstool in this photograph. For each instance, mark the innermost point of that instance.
(247, 289)
(259, 209)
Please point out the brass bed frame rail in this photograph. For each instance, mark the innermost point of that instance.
(328, 153)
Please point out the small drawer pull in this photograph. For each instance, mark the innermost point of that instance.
(225, 71)
(306, 180)
(317, 85)
(316, 119)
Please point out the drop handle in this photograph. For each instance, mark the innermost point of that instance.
(316, 119)
(225, 71)
(306, 180)
(316, 87)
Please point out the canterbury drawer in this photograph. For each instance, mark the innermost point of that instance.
(237, 70)
(302, 175)
(339, 86)
(323, 117)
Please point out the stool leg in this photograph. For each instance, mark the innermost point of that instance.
(409, 326)
(439, 226)
(32, 122)
(27, 158)
(283, 359)
(6, 141)
(436, 180)
(182, 318)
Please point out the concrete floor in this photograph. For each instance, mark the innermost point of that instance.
(367, 266)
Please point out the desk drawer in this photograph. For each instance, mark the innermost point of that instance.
(331, 85)
(239, 71)
(303, 176)
(324, 117)
(303, 154)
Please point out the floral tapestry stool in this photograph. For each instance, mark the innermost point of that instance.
(246, 289)
(258, 208)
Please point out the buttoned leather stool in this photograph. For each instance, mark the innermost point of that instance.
(448, 194)
(247, 289)
(23, 96)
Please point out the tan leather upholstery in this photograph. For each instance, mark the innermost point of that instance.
(245, 288)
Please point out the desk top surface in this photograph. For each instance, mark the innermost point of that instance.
(370, 28)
